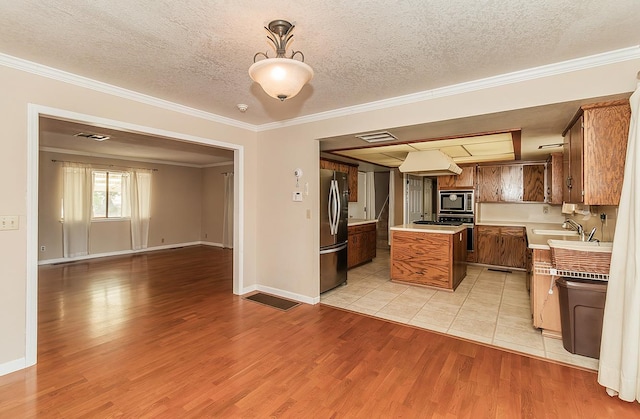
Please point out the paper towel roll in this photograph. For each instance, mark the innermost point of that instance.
(568, 208)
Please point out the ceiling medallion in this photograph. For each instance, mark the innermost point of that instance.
(280, 77)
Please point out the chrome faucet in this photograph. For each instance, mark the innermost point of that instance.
(593, 233)
(577, 227)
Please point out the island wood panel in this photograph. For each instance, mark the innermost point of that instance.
(544, 306)
(422, 258)
(533, 183)
(460, 254)
(606, 132)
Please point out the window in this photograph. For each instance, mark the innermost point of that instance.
(109, 197)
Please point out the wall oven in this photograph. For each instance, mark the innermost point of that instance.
(455, 202)
(466, 220)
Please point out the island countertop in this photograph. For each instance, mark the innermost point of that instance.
(426, 228)
(359, 221)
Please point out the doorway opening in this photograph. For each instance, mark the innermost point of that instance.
(34, 113)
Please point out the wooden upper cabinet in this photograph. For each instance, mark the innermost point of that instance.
(555, 181)
(576, 144)
(350, 170)
(352, 178)
(595, 147)
(533, 183)
(511, 183)
(489, 183)
(465, 180)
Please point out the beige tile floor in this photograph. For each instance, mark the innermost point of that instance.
(488, 306)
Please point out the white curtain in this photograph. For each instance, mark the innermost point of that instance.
(76, 208)
(370, 203)
(619, 369)
(140, 203)
(227, 219)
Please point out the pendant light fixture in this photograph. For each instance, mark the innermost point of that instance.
(280, 77)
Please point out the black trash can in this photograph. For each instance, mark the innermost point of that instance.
(581, 314)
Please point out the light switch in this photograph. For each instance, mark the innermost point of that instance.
(9, 222)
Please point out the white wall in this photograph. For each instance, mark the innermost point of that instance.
(213, 203)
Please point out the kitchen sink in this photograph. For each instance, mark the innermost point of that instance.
(558, 232)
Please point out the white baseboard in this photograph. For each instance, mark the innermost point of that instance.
(286, 294)
(13, 366)
(127, 252)
(215, 245)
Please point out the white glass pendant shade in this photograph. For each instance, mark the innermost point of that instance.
(281, 78)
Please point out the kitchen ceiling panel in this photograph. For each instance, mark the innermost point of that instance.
(487, 158)
(455, 151)
(490, 148)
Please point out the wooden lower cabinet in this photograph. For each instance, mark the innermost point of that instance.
(501, 246)
(545, 307)
(430, 259)
(361, 246)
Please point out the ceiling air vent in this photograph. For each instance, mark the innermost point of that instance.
(377, 137)
(96, 137)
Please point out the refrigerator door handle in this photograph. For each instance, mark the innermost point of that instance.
(329, 208)
(334, 205)
(333, 249)
(338, 205)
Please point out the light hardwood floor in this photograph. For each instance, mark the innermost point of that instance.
(162, 335)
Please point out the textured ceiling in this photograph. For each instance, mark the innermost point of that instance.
(197, 52)
(60, 136)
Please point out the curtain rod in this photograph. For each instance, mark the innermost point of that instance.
(100, 164)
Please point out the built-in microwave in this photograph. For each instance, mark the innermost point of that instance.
(455, 202)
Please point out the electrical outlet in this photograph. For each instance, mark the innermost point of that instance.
(603, 218)
(545, 209)
(9, 222)
(43, 248)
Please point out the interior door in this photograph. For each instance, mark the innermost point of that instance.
(414, 199)
(358, 209)
(428, 212)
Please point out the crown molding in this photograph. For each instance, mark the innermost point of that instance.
(611, 57)
(134, 159)
(81, 81)
(597, 60)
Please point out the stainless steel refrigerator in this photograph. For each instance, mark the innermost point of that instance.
(334, 201)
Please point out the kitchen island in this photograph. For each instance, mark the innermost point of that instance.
(429, 255)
